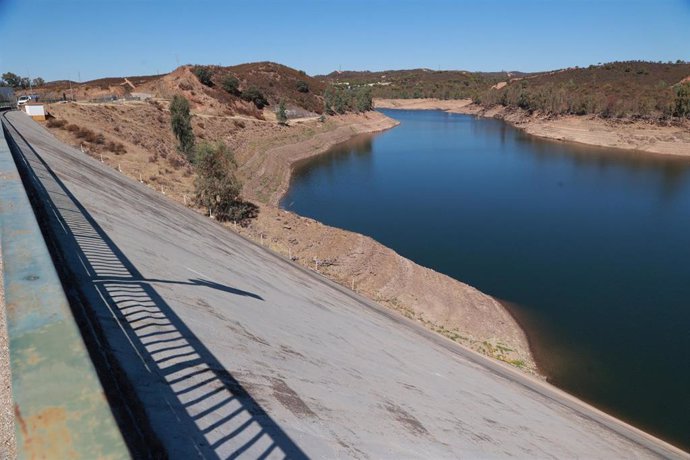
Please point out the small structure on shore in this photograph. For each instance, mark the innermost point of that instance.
(35, 110)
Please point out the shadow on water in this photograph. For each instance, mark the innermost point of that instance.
(175, 389)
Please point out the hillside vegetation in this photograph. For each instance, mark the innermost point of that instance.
(421, 83)
(618, 89)
(633, 89)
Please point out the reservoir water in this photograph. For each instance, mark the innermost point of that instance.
(589, 246)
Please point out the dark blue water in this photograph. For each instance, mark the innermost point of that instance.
(590, 246)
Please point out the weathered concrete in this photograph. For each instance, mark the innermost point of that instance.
(235, 351)
(58, 402)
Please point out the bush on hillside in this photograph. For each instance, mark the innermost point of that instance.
(281, 114)
(216, 186)
(203, 74)
(681, 106)
(231, 85)
(180, 120)
(302, 86)
(254, 95)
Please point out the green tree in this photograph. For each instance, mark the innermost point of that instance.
(216, 186)
(204, 75)
(254, 95)
(363, 100)
(681, 106)
(38, 81)
(328, 96)
(231, 84)
(181, 121)
(12, 79)
(281, 114)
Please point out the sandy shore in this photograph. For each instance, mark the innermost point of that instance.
(620, 134)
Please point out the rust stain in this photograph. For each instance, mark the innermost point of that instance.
(33, 357)
(45, 434)
(22, 423)
(10, 307)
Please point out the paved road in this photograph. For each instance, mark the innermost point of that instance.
(234, 351)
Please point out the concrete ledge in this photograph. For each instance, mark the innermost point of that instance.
(60, 407)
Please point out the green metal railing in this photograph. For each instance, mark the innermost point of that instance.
(60, 407)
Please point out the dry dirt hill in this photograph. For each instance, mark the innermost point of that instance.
(300, 93)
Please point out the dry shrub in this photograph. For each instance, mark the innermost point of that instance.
(85, 133)
(156, 104)
(176, 161)
(56, 123)
(72, 128)
(239, 124)
(116, 147)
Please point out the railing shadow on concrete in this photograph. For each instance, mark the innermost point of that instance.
(193, 404)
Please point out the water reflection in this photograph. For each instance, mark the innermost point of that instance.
(359, 146)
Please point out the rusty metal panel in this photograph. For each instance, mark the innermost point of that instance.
(60, 408)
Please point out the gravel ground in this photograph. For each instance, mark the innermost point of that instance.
(8, 448)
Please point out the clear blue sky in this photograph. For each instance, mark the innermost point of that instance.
(100, 38)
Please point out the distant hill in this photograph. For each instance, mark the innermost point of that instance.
(278, 82)
(633, 89)
(618, 89)
(422, 83)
